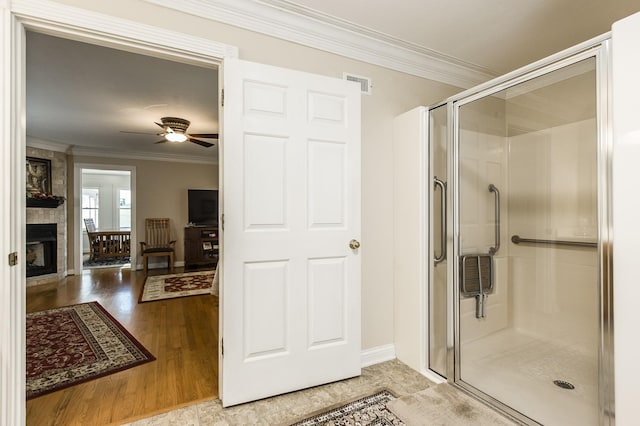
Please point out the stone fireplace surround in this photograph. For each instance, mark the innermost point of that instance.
(37, 215)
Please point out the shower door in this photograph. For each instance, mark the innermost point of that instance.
(438, 137)
(526, 231)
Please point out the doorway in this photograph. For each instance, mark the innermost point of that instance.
(107, 195)
(78, 26)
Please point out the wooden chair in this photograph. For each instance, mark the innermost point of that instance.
(94, 239)
(157, 241)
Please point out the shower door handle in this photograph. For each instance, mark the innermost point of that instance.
(437, 183)
(493, 250)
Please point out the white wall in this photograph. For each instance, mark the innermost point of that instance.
(626, 211)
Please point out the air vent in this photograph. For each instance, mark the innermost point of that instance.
(364, 82)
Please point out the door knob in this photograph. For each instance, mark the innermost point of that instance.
(354, 244)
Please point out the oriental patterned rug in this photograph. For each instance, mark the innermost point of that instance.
(74, 344)
(161, 287)
(370, 411)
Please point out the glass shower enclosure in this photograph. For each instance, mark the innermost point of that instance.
(519, 288)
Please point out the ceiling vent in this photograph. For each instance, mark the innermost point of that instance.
(365, 82)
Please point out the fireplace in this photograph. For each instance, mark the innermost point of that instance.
(42, 249)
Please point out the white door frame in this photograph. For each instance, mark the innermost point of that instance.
(77, 211)
(78, 24)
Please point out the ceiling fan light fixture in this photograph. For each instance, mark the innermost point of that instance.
(175, 137)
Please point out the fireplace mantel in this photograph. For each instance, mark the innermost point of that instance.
(47, 203)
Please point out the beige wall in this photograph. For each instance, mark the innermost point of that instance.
(393, 94)
(161, 191)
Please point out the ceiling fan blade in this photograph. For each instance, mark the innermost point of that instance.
(138, 133)
(201, 143)
(159, 124)
(162, 141)
(205, 135)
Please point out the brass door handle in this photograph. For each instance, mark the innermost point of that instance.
(354, 244)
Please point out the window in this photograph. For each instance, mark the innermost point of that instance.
(91, 205)
(124, 209)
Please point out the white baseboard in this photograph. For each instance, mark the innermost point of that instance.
(387, 353)
(378, 354)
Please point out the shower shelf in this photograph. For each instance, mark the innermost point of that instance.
(517, 240)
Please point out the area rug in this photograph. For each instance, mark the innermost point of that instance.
(444, 405)
(370, 411)
(74, 344)
(106, 263)
(161, 287)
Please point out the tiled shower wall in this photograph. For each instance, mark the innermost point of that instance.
(56, 215)
(553, 196)
(483, 159)
(548, 192)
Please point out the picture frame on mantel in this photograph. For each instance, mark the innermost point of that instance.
(38, 184)
(38, 176)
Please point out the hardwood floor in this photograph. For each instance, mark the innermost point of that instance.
(181, 333)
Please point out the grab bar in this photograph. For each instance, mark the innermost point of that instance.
(443, 220)
(517, 240)
(493, 250)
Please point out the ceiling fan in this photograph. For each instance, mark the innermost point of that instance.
(174, 129)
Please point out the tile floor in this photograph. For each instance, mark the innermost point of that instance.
(285, 409)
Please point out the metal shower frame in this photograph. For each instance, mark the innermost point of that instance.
(600, 49)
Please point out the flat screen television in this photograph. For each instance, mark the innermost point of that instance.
(203, 207)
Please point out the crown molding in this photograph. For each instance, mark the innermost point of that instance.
(86, 151)
(287, 21)
(98, 28)
(83, 151)
(47, 144)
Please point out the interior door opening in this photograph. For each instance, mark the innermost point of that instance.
(106, 206)
(110, 192)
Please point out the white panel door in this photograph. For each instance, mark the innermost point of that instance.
(290, 289)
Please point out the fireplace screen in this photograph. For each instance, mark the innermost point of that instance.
(42, 248)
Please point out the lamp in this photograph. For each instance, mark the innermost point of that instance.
(175, 136)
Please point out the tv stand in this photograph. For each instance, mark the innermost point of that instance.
(200, 246)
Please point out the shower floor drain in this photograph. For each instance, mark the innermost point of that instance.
(563, 384)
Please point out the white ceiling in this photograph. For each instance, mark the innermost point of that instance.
(84, 95)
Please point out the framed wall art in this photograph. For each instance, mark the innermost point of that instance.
(38, 176)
